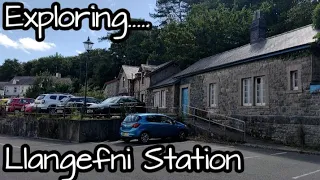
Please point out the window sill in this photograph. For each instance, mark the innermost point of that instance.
(254, 107)
(294, 91)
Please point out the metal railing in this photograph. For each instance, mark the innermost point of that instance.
(214, 118)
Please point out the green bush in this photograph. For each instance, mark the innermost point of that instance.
(316, 17)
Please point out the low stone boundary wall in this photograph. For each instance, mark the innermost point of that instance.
(61, 129)
(296, 131)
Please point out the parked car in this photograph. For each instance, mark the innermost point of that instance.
(48, 102)
(75, 102)
(16, 104)
(146, 126)
(114, 105)
(28, 108)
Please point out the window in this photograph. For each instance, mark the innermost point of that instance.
(53, 97)
(156, 101)
(142, 97)
(123, 81)
(62, 97)
(212, 95)
(159, 99)
(15, 89)
(294, 80)
(163, 99)
(259, 91)
(246, 92)
(165, 120)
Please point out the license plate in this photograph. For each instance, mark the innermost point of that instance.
(90, 111)
(125, 134)
(59, 111)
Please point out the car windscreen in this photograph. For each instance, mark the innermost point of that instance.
(40, 97)
(131, 118)
(111, 100)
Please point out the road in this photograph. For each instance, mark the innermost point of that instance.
(259, 164)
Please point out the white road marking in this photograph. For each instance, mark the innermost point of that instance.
(251, 157)
(275, 154)
(11, 145)
(307, 174)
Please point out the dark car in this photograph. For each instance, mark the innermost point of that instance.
(146, 126)
(71, 104)
(116, 105)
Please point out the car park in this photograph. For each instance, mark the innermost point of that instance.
(74, 103)
(147, 125)
(49, 102)
(114, 105)
(16, 104)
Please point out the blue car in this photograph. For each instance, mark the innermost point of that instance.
(146, 126)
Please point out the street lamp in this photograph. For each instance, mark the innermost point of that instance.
(88, 46)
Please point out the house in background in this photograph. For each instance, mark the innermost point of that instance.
(111, 88)
(126, 80)
(142, 81)
(2, 84)
(162, 92)
(19, 85)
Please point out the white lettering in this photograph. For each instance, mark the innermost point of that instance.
(8, 17)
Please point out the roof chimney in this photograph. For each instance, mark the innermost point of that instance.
(58, 75)
(258, 28)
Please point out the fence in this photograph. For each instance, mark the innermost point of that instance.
(71, 112)
(208, 118)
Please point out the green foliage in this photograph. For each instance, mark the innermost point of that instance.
(44, 84)
(92, 92)
(316, 17)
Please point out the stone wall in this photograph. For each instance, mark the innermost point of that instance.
(279, 99)
(68, 130)
(111, 89)
(289, 130)
(172, 99)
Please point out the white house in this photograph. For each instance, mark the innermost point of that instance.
(18, 86)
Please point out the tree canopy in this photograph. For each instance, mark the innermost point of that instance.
(188, 30)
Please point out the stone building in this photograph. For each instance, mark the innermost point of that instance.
(142, 81)
(271, 83)
(111, 88)
(162, 93)
(126, 80)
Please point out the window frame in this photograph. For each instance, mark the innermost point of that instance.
(212, 96)
(294, 80)
(249, 91)
(262, 94)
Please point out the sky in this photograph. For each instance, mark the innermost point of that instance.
(22, 45)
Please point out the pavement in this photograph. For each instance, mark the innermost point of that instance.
(259, 164)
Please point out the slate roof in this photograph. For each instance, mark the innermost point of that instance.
(167, 82)
(130, 71)
(291, 40)
(22, 80)
(145, 67)
(161, 66)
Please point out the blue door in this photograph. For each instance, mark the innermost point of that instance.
(185, 99)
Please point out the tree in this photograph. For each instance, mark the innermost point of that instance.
(9, 69)
(170, 10)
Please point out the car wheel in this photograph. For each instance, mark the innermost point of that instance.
(52, 110)
(182, 136)
(144, 138)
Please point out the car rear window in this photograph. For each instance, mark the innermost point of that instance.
(132, 118)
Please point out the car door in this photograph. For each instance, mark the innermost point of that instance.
(154, 126)
(168, 129)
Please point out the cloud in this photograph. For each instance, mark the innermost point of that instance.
(79, 52)
(25, 44)
(32, 44)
